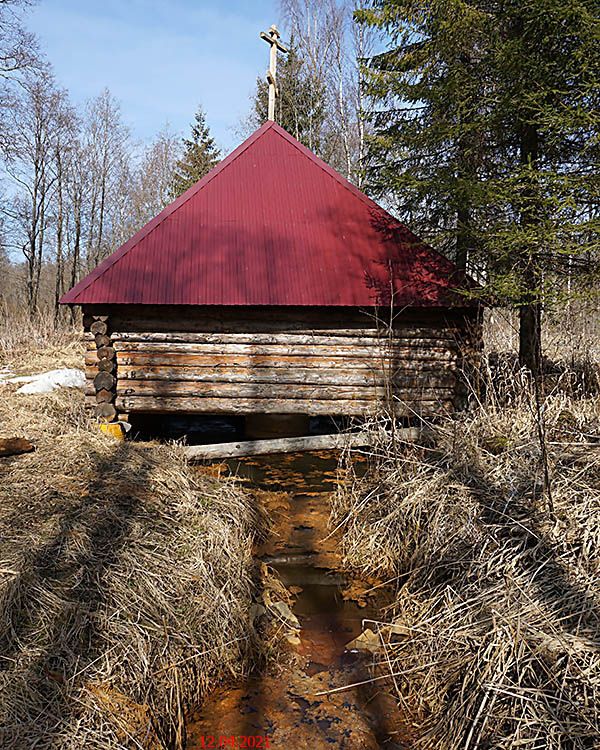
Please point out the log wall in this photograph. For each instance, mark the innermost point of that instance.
(292, 360)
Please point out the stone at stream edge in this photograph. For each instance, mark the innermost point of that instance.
(286, 613)
(15, 446)
(366, 641)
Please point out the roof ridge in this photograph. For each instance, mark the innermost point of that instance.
(169, 209)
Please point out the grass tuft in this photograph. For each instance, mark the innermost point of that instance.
(126, 579)
(497, 614)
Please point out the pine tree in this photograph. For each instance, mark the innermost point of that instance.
(487, 133)
(300, 103)
(200, 156)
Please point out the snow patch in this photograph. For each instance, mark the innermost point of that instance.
(50, 381)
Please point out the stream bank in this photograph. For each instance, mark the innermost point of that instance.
(322, 692)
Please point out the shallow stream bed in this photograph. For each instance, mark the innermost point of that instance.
(323, 694)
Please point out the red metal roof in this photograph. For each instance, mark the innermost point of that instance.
(272, 224)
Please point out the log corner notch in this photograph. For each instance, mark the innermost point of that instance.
(105, 380)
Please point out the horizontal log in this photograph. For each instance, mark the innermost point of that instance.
(99, 327)
(106, 352)
(407, 377)
(206, 367)
(210, 318)
(104, 380)
(106, 365)
(319, 338)
(100, 366)
(89, 320)
(279, 350)
(269, 390)
(106, 412)
(101, 340)
(290, 445)
(104, 395)
(408, 359)
(192, 405)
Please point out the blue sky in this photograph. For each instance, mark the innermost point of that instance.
(160, 59)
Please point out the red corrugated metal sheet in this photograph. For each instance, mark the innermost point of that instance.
(272, 225)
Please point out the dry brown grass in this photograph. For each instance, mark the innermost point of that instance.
(125, 582)
(498, 603)
(31, 346)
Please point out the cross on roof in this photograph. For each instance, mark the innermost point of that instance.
(272, 38)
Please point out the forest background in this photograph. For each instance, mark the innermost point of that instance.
(476, 123)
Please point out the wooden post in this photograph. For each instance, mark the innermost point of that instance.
(272, 38)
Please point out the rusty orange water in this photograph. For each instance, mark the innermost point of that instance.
(322, 696)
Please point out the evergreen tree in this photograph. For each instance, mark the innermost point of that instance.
(300, 102)
(199, 157)
(488, 131)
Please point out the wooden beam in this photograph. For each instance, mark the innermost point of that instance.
(323, 338)
(405, 377)
(199, 359)
(99, 327)
(209, 405)
(327, 348)
(264, 390)
(292, 445)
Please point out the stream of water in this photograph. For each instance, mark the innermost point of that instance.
(323, 695)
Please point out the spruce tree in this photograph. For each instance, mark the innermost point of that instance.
(199, 157)
(487, 132)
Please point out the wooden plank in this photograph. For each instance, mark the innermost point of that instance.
(269, 390)
(291, 445)
(407, 359)
(294, 375)
(192, 405)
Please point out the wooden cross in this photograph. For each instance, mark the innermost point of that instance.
(272, 38)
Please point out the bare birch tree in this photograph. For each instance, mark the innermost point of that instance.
(29, 155)
(106, 145)
(333, 45)
(153, 178)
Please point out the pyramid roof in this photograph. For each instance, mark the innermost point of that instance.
(272, 224)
